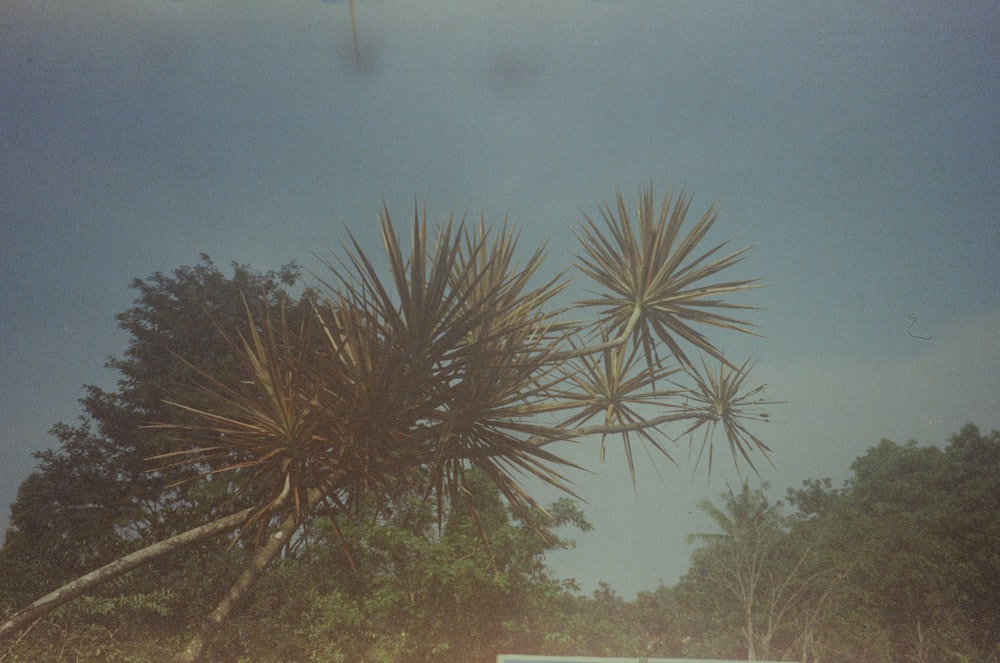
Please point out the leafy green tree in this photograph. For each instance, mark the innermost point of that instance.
(94, 494)
(917, 526)
(94, 498)
(390, 586)
(605, 624)
(456, 362)
(423, 594)
(562, 622)
(659, 616)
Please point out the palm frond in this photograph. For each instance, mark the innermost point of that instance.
(611, 384)
(725, 398)
(268, 422)
(456, 360)
(649, 267)
(466, 353)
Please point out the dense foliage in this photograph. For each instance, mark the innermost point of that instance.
(411, 378)
(898, 565)
(917, 531)
(94, 496)
(368, 443)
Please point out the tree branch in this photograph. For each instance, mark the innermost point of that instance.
(116, 568)
(645, 424)
(122, 565)
(607, 345)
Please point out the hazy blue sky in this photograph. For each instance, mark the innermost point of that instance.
(856, 144)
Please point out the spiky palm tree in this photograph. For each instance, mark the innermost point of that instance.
(457, 361)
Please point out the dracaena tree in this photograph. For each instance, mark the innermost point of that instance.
(456, 358)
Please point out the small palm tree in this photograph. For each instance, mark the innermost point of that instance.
(458, 361)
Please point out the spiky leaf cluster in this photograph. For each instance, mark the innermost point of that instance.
(456, 360)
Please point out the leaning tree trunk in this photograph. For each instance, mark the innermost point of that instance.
(81, 585)
(261, 559)
(240, 589)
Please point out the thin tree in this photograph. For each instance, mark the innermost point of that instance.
(752, 562)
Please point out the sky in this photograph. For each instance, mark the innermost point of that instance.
(855, 145)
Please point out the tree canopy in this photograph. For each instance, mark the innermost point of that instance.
(94, 498)
(898, 564)
(367, 439)
(370, 388)
(918, 528)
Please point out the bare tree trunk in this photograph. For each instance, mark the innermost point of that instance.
(261, 559)
(751, 638)
(240, 589)
(116, 568)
